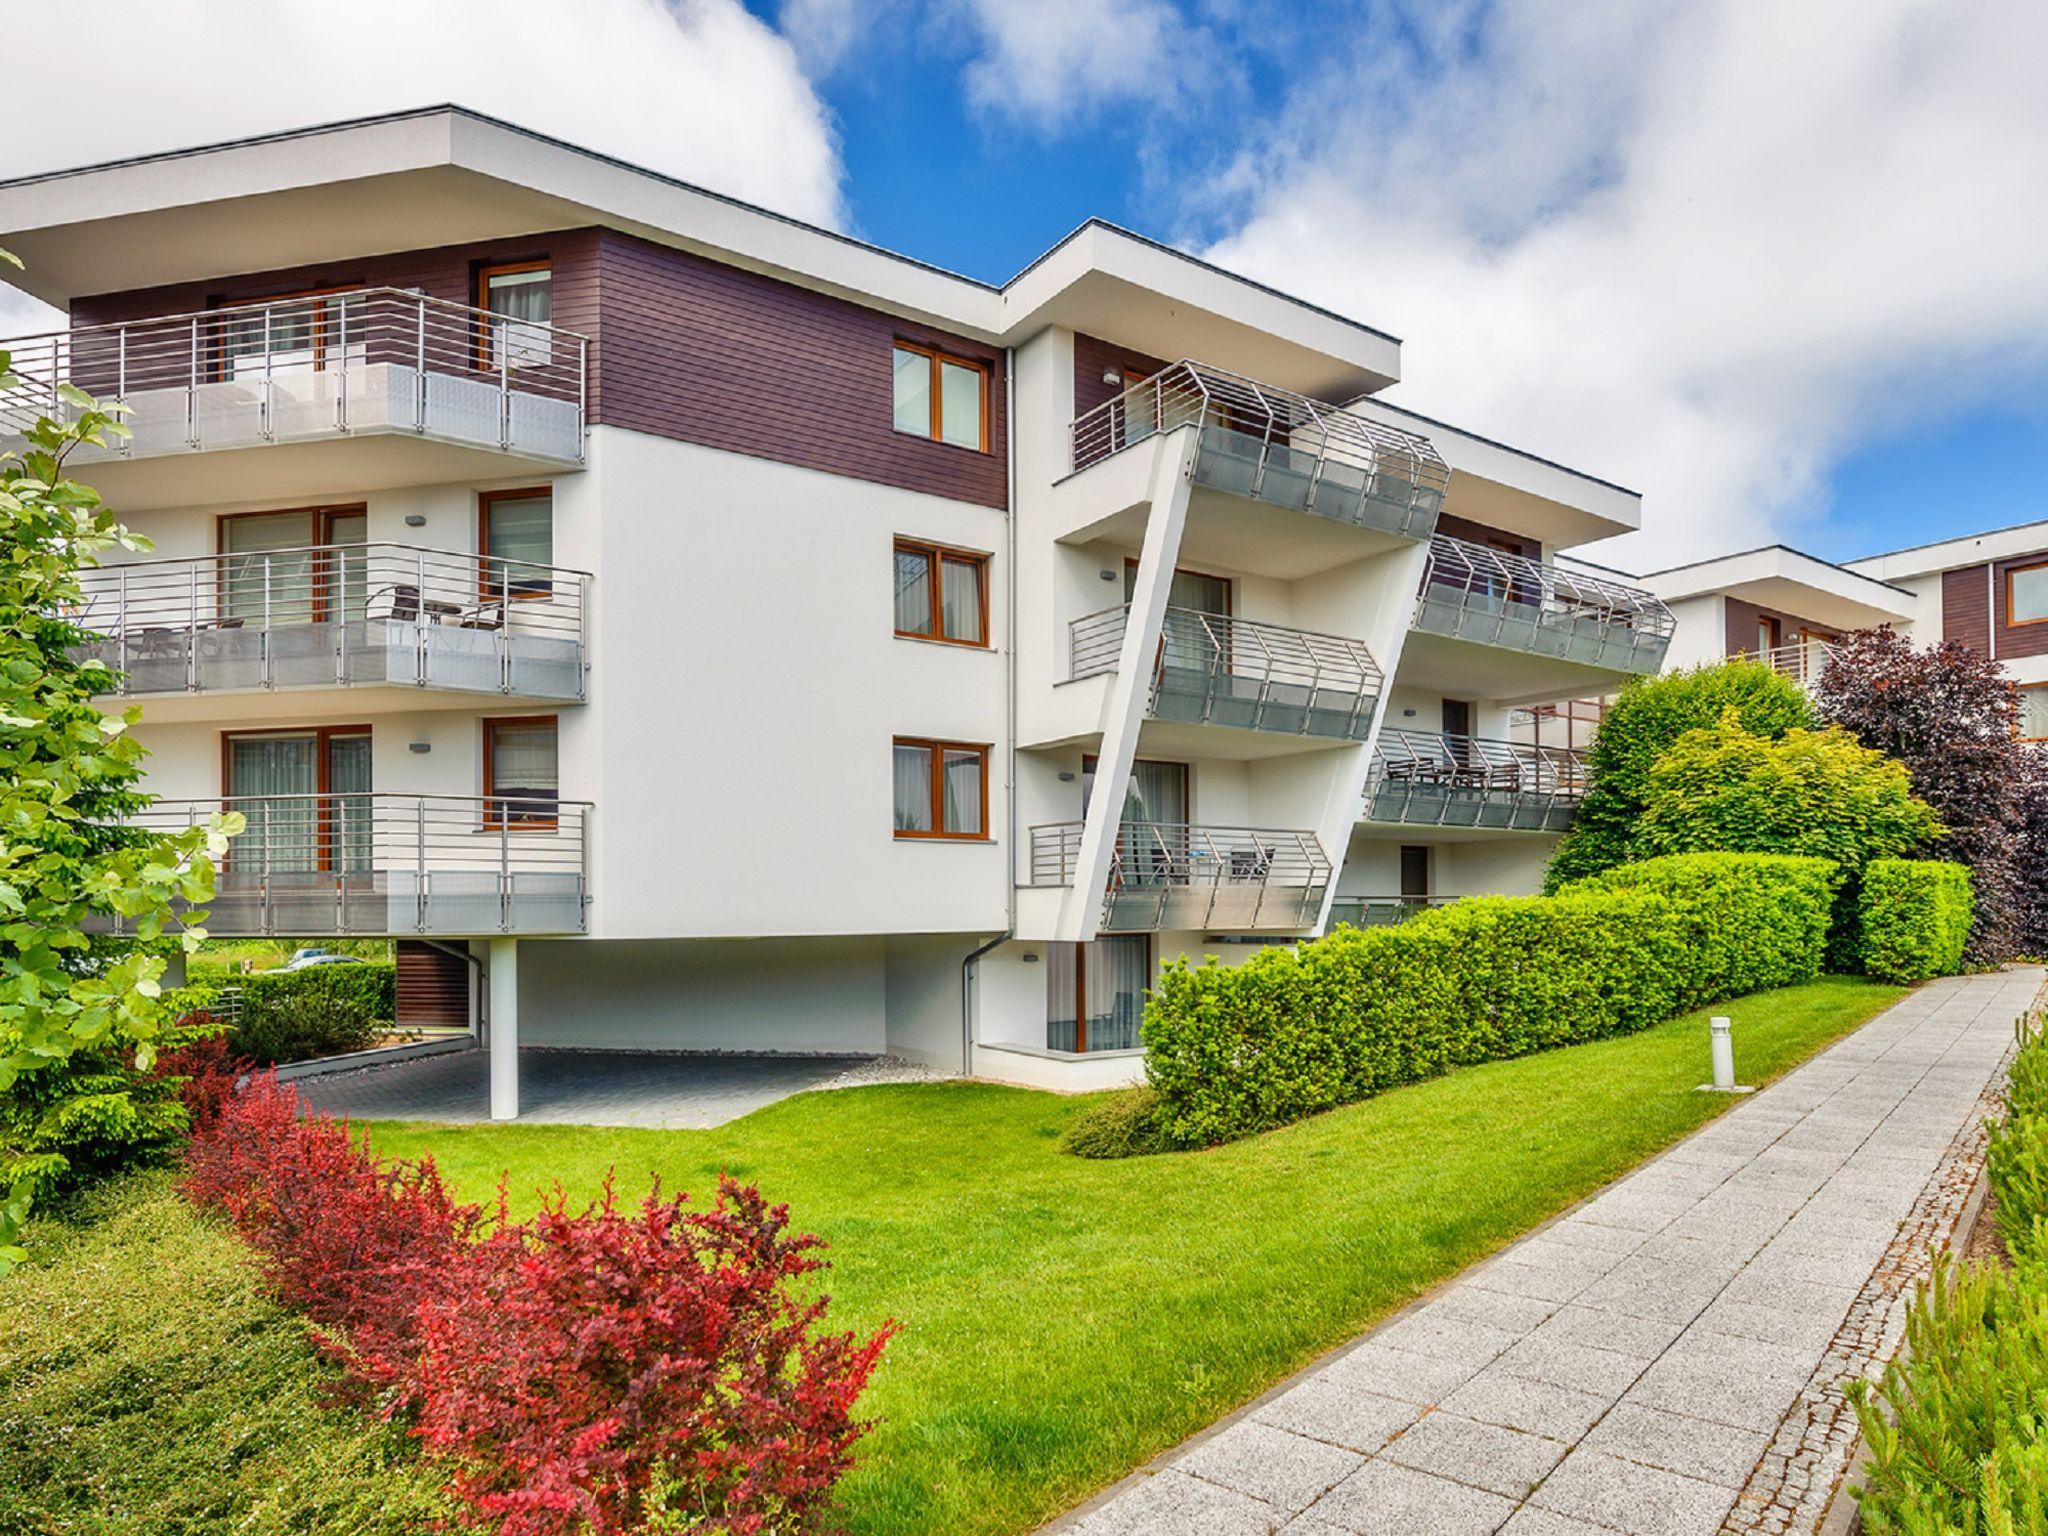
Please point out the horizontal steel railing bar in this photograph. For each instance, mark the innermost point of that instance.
(1444, 759)
(1802, 661)
(269, 589)
(1244, 648)
(1181, 853)
(1193, 393)
(1497, 576)
(1371, 911)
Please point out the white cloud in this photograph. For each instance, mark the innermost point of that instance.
(1700, 250)
(699, 89)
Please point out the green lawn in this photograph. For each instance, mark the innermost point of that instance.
(1063, 1320)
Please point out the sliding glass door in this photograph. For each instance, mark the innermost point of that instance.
(305, 566)
(1095, 993)
(306, 795)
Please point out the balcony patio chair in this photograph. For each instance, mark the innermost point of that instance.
(489, 614)
(395, 604)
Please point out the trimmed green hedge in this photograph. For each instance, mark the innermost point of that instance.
(1913, 916)
(323, 1010)
(1751, 920)
(1291, 1033)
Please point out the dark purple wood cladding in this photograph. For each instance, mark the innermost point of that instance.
(1093, 357)
(686, 348)
(1966, 606)
(711, 354)
(2013, 639)
(1786, 628)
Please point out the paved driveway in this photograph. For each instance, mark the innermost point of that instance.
(663, 1090)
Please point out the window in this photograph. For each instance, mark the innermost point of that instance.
(2034, 713)
(306, 794)
(960, 579)
(941, 789)
(519, 297)
(516, 531)
(305, 566)
(521, 774)
(1095, 993)
(2026, 594)
(316, 329)
(940, 397)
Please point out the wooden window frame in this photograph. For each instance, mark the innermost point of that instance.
(484, 502)
(323, 779)
(323, 518)
(493, 821)
(1081, 981)
(2019, 688)
(480, 293)
(1229, 584)
(2010, 572)
(224, 309)
(938, 554)
(937, 356)
(938, 749)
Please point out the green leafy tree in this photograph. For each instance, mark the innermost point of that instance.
(1819, 794)
(1651, 714)
(72, 1002)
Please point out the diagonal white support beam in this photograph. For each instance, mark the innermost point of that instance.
(1124, 713)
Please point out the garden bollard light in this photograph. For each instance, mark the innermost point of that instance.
(1724, 1053)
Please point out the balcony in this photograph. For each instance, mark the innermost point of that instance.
(1803, 662)
(1382, 911)
(1278, 447)
(1215, 670)
(1173, 876)
(379, 865)
(372, 363)
(337, 616)
(1471, 592)
(1423, 779)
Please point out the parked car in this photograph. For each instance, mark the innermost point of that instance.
(304, 959)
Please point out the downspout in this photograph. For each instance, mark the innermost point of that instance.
(969, 965)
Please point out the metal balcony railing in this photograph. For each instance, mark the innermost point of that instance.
(336, 615)
(373, 864)
(367, 360)
(1173, 875)
(1803, 661)
(1276, 446)
(1382, 911)
(1217, 670)
(1471, 592)
(1429, 779)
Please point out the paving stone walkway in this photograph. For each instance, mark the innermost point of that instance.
(1668, 1358)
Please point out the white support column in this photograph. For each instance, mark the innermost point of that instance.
(504, 1019)
(1124, 715)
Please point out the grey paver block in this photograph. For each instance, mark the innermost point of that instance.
(1579, 1366)
(1645, 1337)
(1536, 1407)
(1504, 1461)
(1286, 1470)
(1699, 1388)
(1174, 1504)
(1531, 1521)
(1626, 1496)
(1383, 1499)
(1446, 1338)
(1555, 1285)
(1713, 1453)
(1497, 1309)
(1325, 1409)
(1398, 1373)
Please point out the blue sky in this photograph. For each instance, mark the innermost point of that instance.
(1782, 268)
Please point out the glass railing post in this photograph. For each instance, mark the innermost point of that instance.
(266, 428)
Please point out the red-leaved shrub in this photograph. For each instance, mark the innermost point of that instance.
(597, 1372)
(208, 1067)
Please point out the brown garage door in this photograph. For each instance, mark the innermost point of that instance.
(433, 987)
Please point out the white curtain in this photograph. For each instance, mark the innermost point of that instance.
(281, 834)
(524, 773)
(960, 583)
(913, 789)
(963, 792)
(1060, 1028)
(254, 573)
(348, 777)
(913, 592)
(913, 392)
(522, 531)
(960, 405)
(523, 303)
(1113, 981)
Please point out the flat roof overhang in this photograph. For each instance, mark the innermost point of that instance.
(447, 176)
(1789, 581)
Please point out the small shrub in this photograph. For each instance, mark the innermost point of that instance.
(2016, 1152)
(1124, 1124)
(581, 1374)
(1751, 920)
(1913, 918)
(323, 1010)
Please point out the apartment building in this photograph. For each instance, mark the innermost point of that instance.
(708, 632)
(1987, 590)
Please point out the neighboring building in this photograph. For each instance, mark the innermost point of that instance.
(716, 633)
